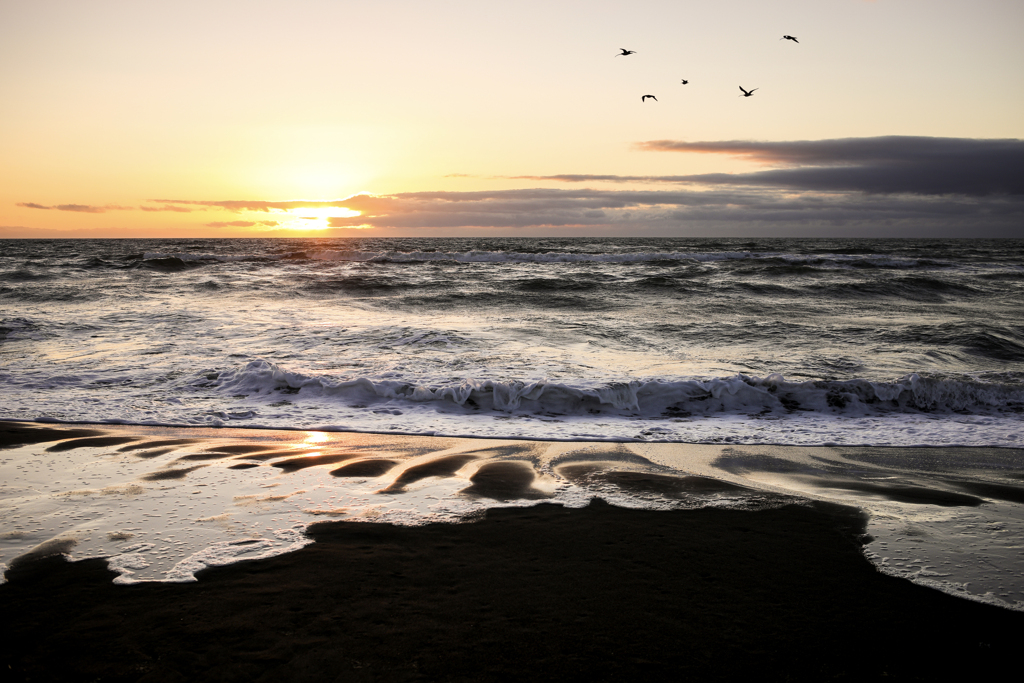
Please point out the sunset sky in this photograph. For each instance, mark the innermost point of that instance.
(227, 118)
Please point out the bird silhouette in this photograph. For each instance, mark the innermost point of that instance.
(625, 52)
(685, 81)
(644, 98)
(747, 93)
(789, 38)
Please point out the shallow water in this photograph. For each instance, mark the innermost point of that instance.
(888, 342)
(163, 503)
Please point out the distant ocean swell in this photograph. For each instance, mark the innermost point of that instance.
(768, 259)
(740, 394)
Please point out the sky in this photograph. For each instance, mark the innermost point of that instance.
(335, 118)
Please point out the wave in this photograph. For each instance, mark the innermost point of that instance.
(51, 293)
(95, 262)
(166, 263)
(651, 398)
(357, 283)
(998, 342)
(221, 258)
(544, 284)
(17, 328)
(22, 275)
(914, 288)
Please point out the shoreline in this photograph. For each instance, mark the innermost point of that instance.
(228, 429)
(544, 592)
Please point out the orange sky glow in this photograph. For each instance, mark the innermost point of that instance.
(227, 118)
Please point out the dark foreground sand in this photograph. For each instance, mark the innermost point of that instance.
(543, 593)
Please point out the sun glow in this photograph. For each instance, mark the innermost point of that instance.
(314, 217)
(315, 212)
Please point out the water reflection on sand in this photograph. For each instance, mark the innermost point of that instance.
(162, 503)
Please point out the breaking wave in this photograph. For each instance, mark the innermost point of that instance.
(653, 398)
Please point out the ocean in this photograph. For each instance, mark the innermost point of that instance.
(653, 373)
(816, 341)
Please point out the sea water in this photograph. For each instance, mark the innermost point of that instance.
(619, 350)
(886, 342)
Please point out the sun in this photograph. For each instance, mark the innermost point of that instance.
(315, 217)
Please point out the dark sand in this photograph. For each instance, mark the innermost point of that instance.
(543, 593)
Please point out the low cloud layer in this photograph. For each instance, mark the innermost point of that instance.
(78, 208)
(883, 165)
(741, 211)
(239, 224)
(166, 207)
(246, 204)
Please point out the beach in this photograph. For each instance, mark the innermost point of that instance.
(524, 587)
(467, 343)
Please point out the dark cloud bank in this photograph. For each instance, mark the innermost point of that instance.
(884, 186)
(722, 213)
(885, 165)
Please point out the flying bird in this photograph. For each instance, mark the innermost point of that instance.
(789, 38)
(644, 98)
(685, 81)
(747, 93)
(625, 52)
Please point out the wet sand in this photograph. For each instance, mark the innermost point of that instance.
(541, 593)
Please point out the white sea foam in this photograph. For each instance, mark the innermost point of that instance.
(909, 411)
(658, 398)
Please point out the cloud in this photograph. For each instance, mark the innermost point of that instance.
(239, 224)
(736, 211)
(166, 207)
(589, 178)
(239, 205)
(79, 208)
(881, 165)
